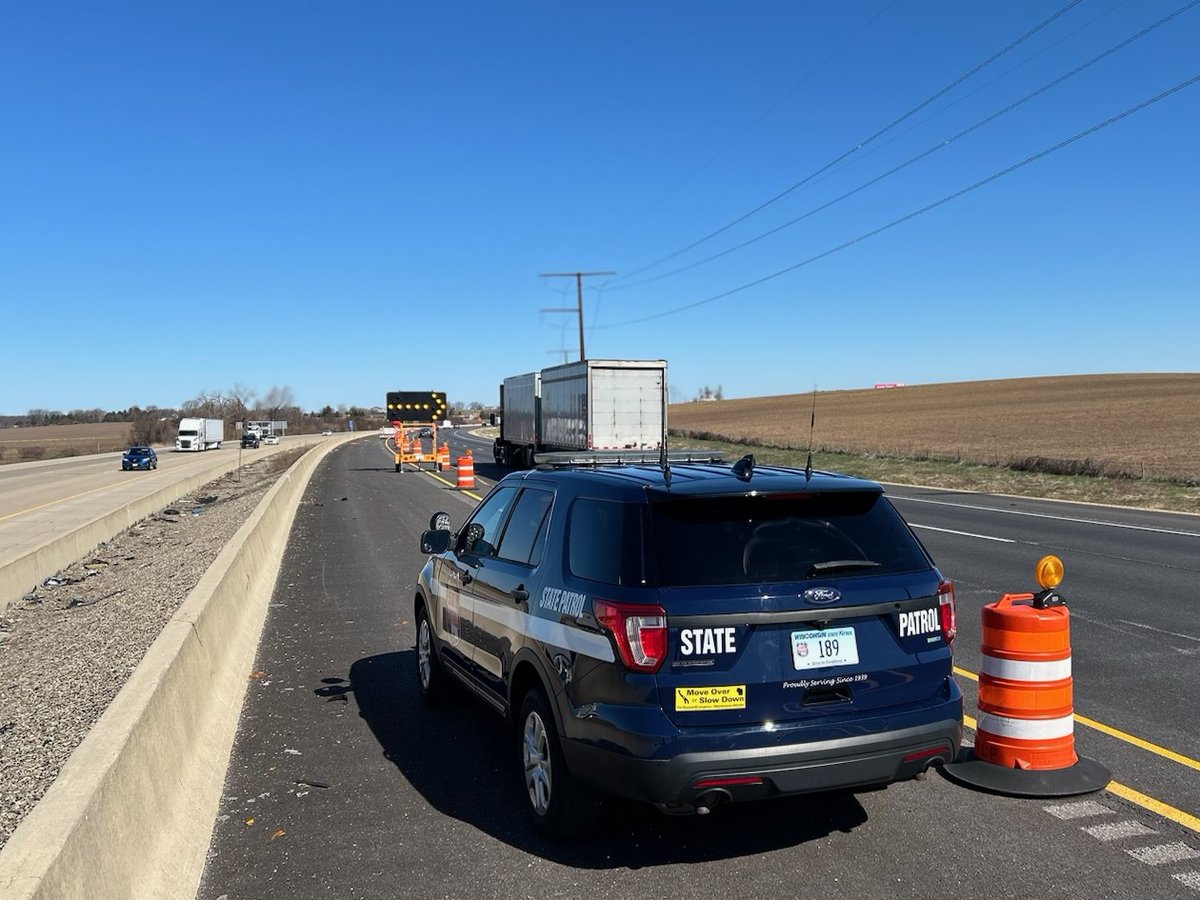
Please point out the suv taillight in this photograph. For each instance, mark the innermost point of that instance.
(640, 632)
(947, 615)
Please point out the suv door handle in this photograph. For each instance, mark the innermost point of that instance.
(464, 576)
(520, 595)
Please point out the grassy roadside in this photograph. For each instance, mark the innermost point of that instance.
(1139, 493)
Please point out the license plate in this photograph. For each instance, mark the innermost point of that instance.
(818, 649)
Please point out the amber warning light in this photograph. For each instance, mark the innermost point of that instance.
(1049, 572)
(416, 407)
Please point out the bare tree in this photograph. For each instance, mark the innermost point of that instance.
(151, 426)
(205, 405)
(238, 401)
(275, 400)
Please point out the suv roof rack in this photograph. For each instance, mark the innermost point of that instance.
(562, 459)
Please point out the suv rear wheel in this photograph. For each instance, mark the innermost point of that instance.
(559, 804)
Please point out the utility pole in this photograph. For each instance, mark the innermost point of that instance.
(578, 276)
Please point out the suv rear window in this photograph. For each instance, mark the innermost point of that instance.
(777, 538)
(607, 543)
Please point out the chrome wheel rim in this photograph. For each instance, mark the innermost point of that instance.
(536, 753)
(424, 659)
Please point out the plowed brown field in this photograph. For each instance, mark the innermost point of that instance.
(49, 441)
(1138, 425)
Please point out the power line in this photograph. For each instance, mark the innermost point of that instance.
(920, 156)
(912, 215)
(808, 76)
(982, 87)
(924, 103)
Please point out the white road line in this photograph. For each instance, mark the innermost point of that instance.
(1189, 879)
(1115, 831)
(1034, 515)
(1080, 809)
(1164, 853)
(1186, 637)
(982, 537)
(1121, 627)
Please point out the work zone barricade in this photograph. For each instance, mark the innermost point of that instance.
(407, 447)
(1025, 739)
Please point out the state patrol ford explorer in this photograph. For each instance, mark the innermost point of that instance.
(693, 635)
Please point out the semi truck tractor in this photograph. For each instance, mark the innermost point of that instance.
(588, 411)
(200, 434)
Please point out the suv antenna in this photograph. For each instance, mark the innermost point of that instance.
(663, 456)
(812, 424)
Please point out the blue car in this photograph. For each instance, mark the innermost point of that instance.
(692, 636)
(139, 458)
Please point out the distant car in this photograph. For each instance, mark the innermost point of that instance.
(327, 432)
(139, 458)
(425, 432)
(271, 439)
(250, 440)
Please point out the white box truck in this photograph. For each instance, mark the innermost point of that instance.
(200, 434)
(583, 411)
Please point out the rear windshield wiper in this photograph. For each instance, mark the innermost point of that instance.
(840, 565)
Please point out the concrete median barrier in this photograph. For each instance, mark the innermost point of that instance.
(131, 813)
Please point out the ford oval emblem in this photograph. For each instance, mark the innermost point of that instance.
(822, 595)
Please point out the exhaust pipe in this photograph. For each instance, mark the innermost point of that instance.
(709, 799)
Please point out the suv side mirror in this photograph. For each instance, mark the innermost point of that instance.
(434, 542)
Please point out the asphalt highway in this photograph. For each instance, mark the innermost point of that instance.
(343, 784)
(42, 500)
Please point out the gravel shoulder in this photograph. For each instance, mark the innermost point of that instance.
(67, 648)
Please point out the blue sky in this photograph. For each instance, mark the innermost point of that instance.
(350, 198)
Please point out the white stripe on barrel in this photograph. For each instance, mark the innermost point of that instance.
(1025, 670)
(1026, 729)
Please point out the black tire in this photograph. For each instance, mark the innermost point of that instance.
(558, 804)
(431, 677)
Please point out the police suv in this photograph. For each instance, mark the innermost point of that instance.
(693, 634)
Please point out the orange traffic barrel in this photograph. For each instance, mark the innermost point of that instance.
(466, 471)
(443, 457)
(1026, 715)
(1025, 734)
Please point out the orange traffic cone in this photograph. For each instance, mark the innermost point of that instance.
(466, 472)
(1025, 739)
(443, 457)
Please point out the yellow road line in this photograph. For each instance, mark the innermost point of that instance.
(438, 477)
(1138, 742)
(1117, 733)
(107, 487)
(1146, 802)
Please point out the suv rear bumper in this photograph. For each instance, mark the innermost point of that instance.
(683, 779)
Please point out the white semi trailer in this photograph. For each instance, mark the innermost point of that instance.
(583, 411)
(200, 434)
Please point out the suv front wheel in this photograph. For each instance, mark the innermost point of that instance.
(559, 804)
(430, 678)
